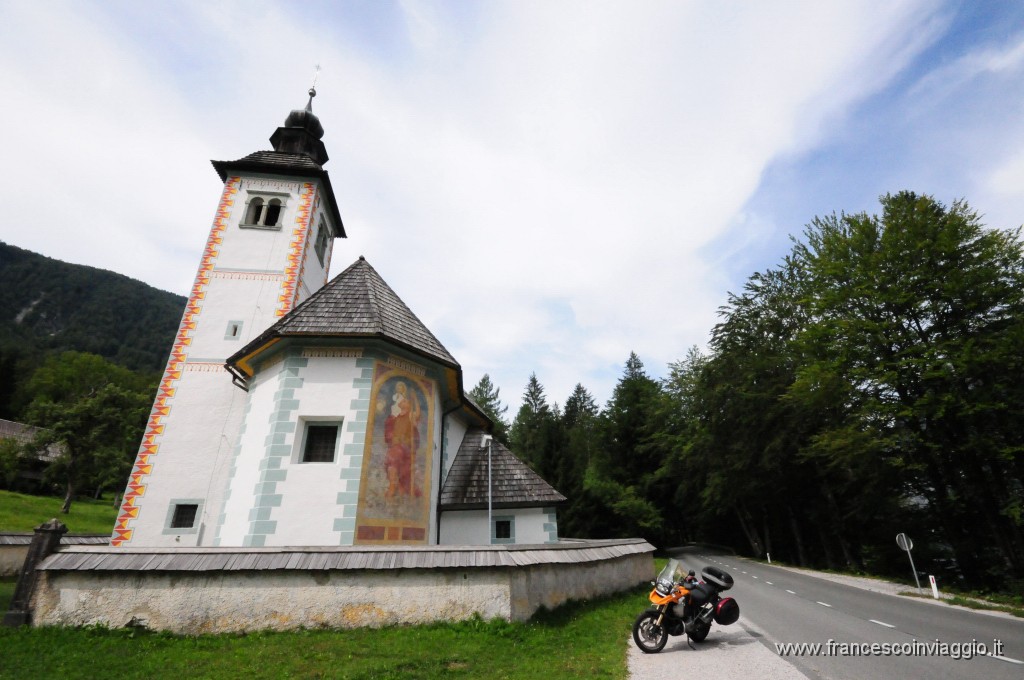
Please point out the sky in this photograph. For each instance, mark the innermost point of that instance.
(549, 185)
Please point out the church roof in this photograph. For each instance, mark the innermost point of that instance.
(279, 161)
(355, 303)
(513, 483)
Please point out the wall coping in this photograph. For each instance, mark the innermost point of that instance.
(306, 558)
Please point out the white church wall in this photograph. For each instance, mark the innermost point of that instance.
(455, 431)
(190, 457)
(316, 495)
(243, 475)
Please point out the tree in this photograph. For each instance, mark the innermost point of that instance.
(96, 435)
(487, 396)
(533, 429)
(578, 440)
(916, 315)
(94, 413)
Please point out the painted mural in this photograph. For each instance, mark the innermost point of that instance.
(394, 491)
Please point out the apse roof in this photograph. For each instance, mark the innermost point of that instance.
(513, 483)
(355, 303)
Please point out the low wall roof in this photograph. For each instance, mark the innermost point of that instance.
(103, 558)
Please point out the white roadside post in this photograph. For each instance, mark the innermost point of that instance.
(935, 588)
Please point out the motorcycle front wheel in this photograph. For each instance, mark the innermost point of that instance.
(648, 636)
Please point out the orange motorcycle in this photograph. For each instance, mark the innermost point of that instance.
(684, 605)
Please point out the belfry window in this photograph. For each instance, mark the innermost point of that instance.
(263, 212)
(273, 213)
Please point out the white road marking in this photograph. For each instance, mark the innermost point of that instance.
(742, 571)
(825, 604)
(1007, 659)
(753, 575)
(769, 583)
(791, 592)
(882, 623)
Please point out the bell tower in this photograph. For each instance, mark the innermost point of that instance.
(269, 248)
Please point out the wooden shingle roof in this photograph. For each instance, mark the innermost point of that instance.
(177, 559)
(355, 303)
(513, 483)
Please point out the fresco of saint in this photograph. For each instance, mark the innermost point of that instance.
(394, 491)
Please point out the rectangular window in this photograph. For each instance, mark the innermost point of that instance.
(321, 241)
(234, 330)
(321, 441)
(184, 516)
(503, 529)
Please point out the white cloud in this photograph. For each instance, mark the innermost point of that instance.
(536, 184)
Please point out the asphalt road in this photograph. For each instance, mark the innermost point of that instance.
(780, 606)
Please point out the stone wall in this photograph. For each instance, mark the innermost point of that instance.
(194, 602)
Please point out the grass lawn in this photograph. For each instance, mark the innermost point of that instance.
(577, 640)
(21, 512)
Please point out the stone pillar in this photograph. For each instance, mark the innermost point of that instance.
(45, 542)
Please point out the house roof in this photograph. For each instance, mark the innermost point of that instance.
(513, 483)
(284, 163)
(355, 303)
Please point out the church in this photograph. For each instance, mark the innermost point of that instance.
(297, 411)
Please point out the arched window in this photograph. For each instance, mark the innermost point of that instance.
(255, 213)
(265, 210)
(273, 212)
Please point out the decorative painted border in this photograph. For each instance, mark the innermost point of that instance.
(296, 261)
(172, 373)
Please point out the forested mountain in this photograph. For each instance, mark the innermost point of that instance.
(48, 306)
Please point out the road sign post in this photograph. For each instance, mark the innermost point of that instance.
(905, 543)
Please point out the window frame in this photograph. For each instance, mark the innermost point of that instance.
(197, 519)
(302, 439)
(265, 199)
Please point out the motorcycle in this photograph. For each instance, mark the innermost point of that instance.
(683, 605)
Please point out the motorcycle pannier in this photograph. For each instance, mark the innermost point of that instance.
(720, 579)
(726, 611)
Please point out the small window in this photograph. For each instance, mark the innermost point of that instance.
(321, 242)
(503, 529)
(234, 330)
(184, 516)
(321, 442)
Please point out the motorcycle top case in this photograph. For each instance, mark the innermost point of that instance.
(715, 576)
(726, 611)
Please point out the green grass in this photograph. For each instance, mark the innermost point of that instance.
(577, 640)
(21, 512)
(6, 592)
(996, 603)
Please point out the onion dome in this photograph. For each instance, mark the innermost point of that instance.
(301, 133)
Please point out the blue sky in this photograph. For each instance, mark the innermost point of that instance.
(548, 185)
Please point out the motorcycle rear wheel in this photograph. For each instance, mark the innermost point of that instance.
(700, 632)
(648, 636)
